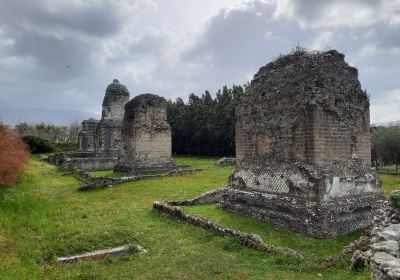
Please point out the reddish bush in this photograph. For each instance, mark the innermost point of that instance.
(13, 155)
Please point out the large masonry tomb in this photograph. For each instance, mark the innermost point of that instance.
(131, 136)
(99, 141)
(146, 136)
(303, 147)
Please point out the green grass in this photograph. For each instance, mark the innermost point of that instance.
(44, 216)
(109, 173)
(390, 182)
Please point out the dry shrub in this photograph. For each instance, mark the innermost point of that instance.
(13, 155)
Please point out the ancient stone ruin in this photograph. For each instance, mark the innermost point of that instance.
(88, 135)
(385, 241)
(99, 141)
(146, 136)
(109, 127)
(303, 147)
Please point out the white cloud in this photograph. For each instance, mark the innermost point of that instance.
(386, 109)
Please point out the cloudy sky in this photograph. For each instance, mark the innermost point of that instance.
(61, 54)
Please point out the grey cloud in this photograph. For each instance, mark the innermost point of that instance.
(59, 43)
(57, 58)
(101, 18)
(149, 43)
(334, 13)
(39, 43)
(240, 41)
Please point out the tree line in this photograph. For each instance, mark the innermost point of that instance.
(42, 138)
(50, 132)
(385, 146)
(205, 125)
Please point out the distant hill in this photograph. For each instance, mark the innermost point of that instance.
(15, 115)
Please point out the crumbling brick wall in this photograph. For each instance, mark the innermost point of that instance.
(146, 136)
(303, 147)
(304, 106)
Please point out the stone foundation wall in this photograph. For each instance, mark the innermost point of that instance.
(385, 243)
(311, 217)
(90, 164)
(85, 161)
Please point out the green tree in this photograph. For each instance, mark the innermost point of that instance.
(386, 145)
(205, 125)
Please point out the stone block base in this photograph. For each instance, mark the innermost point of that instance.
(85, 161)
(321, 219)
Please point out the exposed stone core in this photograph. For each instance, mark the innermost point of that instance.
(146, 136)
(303, 147)
(87, 136)
(109, 127)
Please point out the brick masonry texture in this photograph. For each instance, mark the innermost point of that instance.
(303, 147)
(146, 136)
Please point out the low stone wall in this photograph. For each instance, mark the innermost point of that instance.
(90, 164)
(101, 182)
(385, 255)
(205, 198)
(308, 215)
(86, 161)
(248, 239)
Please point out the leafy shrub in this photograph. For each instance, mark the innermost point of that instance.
(65, 146)
(395, 199)
(38, 144)
(13, 155)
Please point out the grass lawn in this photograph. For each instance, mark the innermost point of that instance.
(44, 216)
(390, 180)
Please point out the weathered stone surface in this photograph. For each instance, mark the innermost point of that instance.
(87, 136)
(100, 182)
(109, 127)
(385, 260)
(303, 147)
(101, 254)
(146, 136)
(359, 261)
(99, 141)
(85, 161)
(213, 196)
